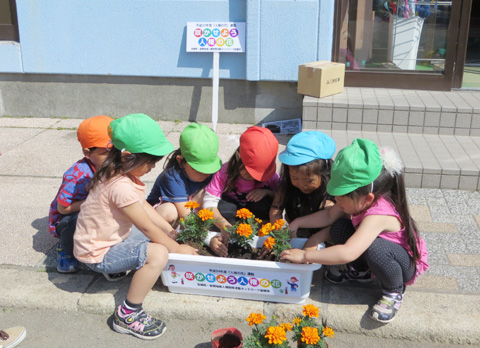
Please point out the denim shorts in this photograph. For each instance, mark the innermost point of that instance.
(124, 256)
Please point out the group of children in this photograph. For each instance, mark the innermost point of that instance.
(356, 203)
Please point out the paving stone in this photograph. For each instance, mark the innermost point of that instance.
(430, 282)
(464, 260)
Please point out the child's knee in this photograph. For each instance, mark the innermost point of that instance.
(168, 211)
(157, 255)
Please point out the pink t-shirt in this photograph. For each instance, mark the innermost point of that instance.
(242, 187)
(101, 223)
(384, 207)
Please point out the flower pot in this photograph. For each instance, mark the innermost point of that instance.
(227, 338)
(239, 278)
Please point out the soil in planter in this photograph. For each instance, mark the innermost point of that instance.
(234, 252)
(229, 341)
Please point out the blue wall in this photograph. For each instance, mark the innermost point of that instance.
(147, 37)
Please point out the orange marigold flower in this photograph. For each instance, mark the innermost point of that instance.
(276, 335)
(181, 220)
(310, 311)
(328, 332)
(192, 205)
(265, 230)
(269, 243)
(244, 230)
(244, 213)
(205, 214)
(287, 326)
(278, 224)
(297, 320)
(258, 220)
(310, 335)
(255, 318)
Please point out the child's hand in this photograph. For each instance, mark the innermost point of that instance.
(218, 246)
(257, 195)
(294, 226)
(186, 249)
(294, 255)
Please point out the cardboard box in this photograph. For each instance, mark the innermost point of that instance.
(321, 79)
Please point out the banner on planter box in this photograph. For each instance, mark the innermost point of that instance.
(220, 278)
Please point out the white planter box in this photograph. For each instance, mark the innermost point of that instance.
(403, 40)
(238, 278)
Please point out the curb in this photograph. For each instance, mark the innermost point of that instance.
(431, 317)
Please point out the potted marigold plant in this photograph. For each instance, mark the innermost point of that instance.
(243, 231)
(279, 237)
(195, 225)
(266, 335)
(307, 333)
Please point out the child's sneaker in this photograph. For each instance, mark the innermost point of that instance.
(138, 324)
(65, 263)
(343, 273)
(388, 305)
(15, 336)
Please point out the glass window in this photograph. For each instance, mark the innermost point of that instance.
(8, 21)
(394, 35)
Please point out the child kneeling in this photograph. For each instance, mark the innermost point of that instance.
(105, 238)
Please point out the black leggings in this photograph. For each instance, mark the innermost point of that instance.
(228, 208)
(388, 261)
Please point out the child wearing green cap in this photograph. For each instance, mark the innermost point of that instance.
(118, 231)
(186, 172)
(306, 165)
(377, 235)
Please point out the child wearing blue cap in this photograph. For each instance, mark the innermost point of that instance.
(307, 161)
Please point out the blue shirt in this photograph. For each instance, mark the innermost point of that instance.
(174, 186)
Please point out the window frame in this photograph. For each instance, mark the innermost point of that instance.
(9, 32)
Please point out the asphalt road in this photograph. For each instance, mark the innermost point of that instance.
(55, 329)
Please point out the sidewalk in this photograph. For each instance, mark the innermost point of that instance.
(444, 306)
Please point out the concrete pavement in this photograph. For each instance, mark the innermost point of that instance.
(444, 306)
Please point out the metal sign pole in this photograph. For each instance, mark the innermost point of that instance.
(215, 83)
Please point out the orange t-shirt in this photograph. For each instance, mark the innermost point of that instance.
(101, 222)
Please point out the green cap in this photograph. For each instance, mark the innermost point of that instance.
(199, 146)
(355, 166)
(138, 133)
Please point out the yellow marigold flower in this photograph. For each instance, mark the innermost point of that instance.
(297, 320)
(255, 318)
(181, 220)
(328, 332)
(192, 205)
(244, 213)
(244, 230)
(310, 311)
(287, 326)
(258, 220)
(310, 335)
(265, 230)
(278, 224)
(269, 243)
(276, 335)
(205, 214)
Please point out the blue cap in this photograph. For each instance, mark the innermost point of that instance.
(305, 147)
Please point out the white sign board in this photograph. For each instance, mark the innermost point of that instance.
(216, 37)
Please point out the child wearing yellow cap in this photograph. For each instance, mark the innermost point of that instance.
(376, 235)
(118, 231)
(62, 218)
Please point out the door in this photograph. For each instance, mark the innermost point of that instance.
(397, 44)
